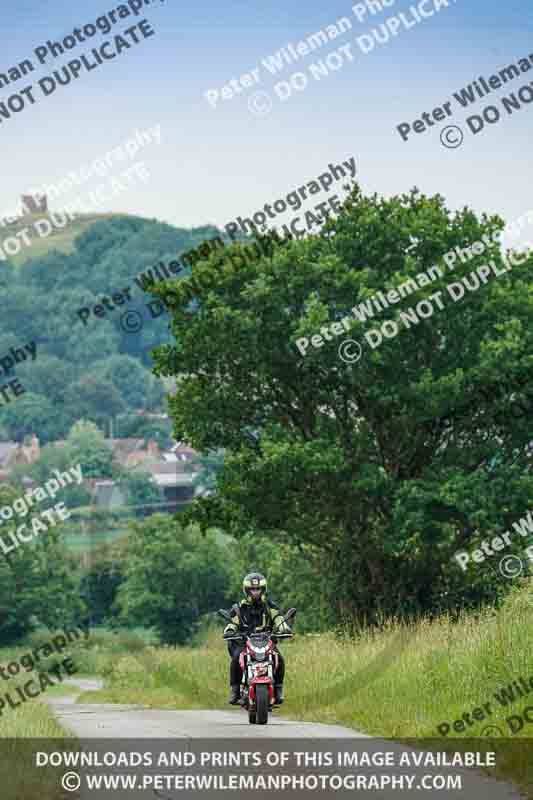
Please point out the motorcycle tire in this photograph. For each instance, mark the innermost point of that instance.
(252, 717)
(261, 702)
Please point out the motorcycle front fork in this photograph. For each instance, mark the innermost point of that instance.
(245, 696)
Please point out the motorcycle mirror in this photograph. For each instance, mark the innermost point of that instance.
(224, 614)
(291, 613)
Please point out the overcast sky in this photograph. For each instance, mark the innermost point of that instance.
(216, 163)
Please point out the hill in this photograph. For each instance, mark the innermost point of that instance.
(94, 368)
(61, 239)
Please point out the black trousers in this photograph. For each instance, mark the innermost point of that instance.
(235, 671)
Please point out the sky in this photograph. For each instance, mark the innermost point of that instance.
(214, 163)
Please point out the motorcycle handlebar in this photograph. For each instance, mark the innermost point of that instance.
(241, 637)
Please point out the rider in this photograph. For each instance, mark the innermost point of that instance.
(255, 613)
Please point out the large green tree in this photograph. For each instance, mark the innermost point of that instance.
(142, 427)
(207, 466)
(140, 488)
(36, 582)
(32, 413)
(95, 398)
(47, 376)
(100, 583)
(129, 377)
(173, 576)
(369, 462)
(87, 446)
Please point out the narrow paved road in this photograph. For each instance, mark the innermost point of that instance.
(118, 721)
(191, 731)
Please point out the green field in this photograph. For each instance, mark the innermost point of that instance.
(83, 542)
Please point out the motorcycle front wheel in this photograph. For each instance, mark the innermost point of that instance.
(252, 717)
(261, 702)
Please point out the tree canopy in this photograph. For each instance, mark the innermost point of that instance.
(173, 576)
(376, 463)
(36, 582)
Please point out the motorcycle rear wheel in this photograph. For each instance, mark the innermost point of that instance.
(261, 702)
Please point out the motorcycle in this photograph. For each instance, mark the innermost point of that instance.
(259, 661)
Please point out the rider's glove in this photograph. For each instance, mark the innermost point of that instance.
(280, 626)
(230, 630)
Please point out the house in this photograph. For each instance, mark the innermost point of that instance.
(130, 452)
(174, 480)
(173, 472)
(180, 452)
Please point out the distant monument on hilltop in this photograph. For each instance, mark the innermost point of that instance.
(34, 204)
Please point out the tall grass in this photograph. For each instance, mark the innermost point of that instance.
(20, 778)
(401, 681)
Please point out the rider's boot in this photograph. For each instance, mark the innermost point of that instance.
(235, 678)
(234, 695)
(278, 695)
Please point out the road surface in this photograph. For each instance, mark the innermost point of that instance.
(105, 720)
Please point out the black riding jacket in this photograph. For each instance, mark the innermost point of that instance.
(266, 615)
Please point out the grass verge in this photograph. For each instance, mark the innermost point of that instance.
(20, 778)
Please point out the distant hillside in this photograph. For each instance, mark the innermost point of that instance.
(91, 368)
(61, 239)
